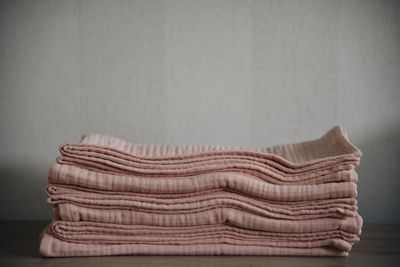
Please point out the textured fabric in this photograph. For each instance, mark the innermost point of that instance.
(333, 144)
(332, 152)
(51, 246)
(84, 232)
(111, 197)
(189, 204)
(110, 234)
(208, 201)
(243, 219)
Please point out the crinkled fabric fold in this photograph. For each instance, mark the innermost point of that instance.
(333, 144)
(51, 246)
(217, 215)
(335, 207)
(112, 197)
(110, 234)
(331, 153)
(240, 182)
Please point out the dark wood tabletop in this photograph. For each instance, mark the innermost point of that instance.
(379, 246)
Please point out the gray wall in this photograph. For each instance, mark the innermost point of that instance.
(247, 73)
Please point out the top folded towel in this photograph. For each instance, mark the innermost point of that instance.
(330, 153)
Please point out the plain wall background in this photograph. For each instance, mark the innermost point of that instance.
(240, 73)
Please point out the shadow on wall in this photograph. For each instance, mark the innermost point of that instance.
(379, 175)
(23, 192)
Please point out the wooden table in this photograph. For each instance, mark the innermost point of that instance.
(379, 246)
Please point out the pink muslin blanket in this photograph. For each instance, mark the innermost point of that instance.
(229, 181)
(336, 207)
(51, 246)
(329, 154)
(76, 234)
(111, 197)
(216, 215)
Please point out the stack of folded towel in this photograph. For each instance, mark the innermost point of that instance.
(111, 197)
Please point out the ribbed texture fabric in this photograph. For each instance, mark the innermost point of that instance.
(112, 197)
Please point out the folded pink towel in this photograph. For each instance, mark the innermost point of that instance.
(51, 246)
(334, 144)
(72, 175)
(280, 196)
(84, 232)
(211, 200)
(217, 215)
(329, 154)
(89, 233)
(111, 197)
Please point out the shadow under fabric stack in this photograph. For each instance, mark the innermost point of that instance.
(111, 197)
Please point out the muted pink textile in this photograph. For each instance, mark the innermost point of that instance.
(73, 175)
(111, 197)
(84, 232)
(110, 234)
(51, 246)
(332, 146)
(211, 200)
(249, 187)
(277, 196)
(218, 215)
(307, 160)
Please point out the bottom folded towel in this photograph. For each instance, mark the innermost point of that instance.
(54, 247)
(62, 238)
